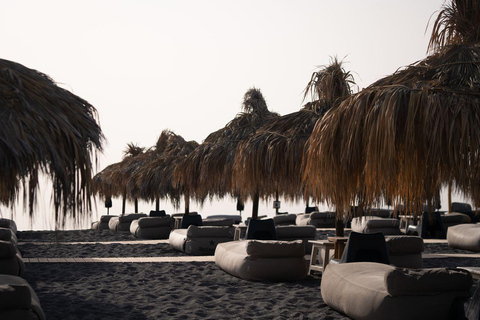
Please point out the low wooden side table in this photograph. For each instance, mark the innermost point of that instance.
(240, 230)
(318, 245)
(339, 246)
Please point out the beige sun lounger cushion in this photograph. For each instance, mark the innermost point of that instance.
(263, 260)
(200, 240)
(18, 300)
(375, 291)
(152, 227)
(464, 236)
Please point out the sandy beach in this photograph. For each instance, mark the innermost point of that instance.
(167, 290)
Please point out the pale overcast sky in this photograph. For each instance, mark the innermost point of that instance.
(185, 65)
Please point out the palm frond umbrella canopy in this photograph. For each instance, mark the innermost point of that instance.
(45, 129)
(112, 181)
(270, 161)
(153, 179)
(208, 169)
(411, 133)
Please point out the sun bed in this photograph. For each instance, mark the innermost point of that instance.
(464, 236)
(304, 233)
(367, 290)
(235, 217)
(102, 224)
(372, 224)
(405, 251)
(200, 240)
(122, 223)
(285, 219)
(317, 219)
(152, 227)
(7, 234)
(18, 300)
(8, 223)
(11, 262)
(263, 260)
(454, 218)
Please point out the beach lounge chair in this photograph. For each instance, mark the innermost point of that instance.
(465, 237)
(373, 224)
(285, 219)
(263, 260)
(429, 229)
(235, 217)
(465, 208)
(18, 300)
(290, 233)
(261, 229)
(365, 247)
(7, 234)
(200, 240)
(102, 224)
(191, 219)
(317, 219)
(122, 223)
(11, 262)
(154, 213)
(405, 251)
(8, 223)
(377, 291)
(157, 227)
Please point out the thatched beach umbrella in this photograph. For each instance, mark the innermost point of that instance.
(45, 129)
(411, 133)
(112, 181)
(208, 169)
(270, 161)
(153, 179)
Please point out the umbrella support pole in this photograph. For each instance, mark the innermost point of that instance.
(256, 200)
(157, 204)
(187, 203)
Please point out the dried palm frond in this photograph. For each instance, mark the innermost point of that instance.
(271, 160)
(405, 136)
(49, 130)
(208, 169)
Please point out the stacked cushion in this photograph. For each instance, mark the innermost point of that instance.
(365, 290)
(156, 227)
(317, 219)
(102, 224)
(11, 262)
(464, 236)
(200, 240)
(405, 251)
(18, 300)
(372, 224)
(263, 260)
(122, 224)
(285, 219)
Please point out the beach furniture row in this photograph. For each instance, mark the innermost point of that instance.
(18, 300)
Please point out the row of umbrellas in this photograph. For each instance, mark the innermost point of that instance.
(257, 154)
(401, 139)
